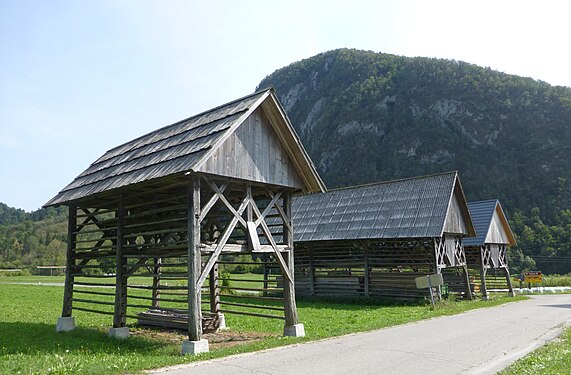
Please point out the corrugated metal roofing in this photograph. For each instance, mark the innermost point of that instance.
(482, 213)
(173, 149)
(409, 208)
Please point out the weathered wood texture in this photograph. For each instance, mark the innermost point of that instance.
(148, 236)
(385, 268)
(262, 158)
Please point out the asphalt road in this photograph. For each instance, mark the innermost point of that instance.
(476, 342)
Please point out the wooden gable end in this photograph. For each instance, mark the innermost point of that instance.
(254, 152)
(455, 221)
(498, 233)
(458, 219)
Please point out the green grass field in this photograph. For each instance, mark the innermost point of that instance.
(30, 345)
(553, 358)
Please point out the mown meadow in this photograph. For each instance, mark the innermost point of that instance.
(30, 345)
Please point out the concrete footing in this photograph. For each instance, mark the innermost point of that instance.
(222, 323)
(120, 333)
(511, 294)
(65, 324)
(296, 330)
(485, 298)
(195, 347)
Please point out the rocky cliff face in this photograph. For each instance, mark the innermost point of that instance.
(367, 116)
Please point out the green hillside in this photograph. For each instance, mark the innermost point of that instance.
(31, 239)
(366, 116)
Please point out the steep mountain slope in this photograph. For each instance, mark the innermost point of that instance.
(366, 116)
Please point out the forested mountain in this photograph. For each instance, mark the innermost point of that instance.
(366, 116)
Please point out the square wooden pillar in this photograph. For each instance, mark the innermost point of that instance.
(292, 325)
(66, 322)
(194, 345)
(120, 312)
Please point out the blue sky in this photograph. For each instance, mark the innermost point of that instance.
(80, 77)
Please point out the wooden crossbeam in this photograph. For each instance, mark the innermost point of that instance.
(222, 241)
(208, 206)
(263, 215)
(270, 237)
(227, 204)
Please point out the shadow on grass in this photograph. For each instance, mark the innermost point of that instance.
(41, 338)
(355, 303)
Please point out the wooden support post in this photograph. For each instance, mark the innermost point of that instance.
(266, 276)
(367, 270)
(509, 281)
(483, 270)
(292, 325)
(311, 273)
(194, 263)
(437, 249)
(214, 290)
(467, 281)
(70, 261)
(156, 302)
(119, 315)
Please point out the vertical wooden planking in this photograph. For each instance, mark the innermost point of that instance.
(70, 261)
(194, 259)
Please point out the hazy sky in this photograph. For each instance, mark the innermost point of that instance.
(80, 77)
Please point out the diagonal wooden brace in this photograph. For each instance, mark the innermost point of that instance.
(227, 204)
(208, 206)
(270, 238)
(221, 243)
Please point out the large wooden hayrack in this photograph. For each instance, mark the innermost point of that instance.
(168, 205)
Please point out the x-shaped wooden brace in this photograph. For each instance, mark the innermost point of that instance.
(237, 218)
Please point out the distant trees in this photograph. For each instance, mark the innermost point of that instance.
(31, 239)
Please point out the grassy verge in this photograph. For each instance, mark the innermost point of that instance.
(553, 358)
(30, 345)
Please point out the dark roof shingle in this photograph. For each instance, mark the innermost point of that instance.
(409, 208)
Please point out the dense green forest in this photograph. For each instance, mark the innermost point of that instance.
(31, 239)
(366, 117)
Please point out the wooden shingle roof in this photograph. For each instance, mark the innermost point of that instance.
(418, 207)
(491, 224)
(185, 147)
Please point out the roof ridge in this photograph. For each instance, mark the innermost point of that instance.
(187, 119)
(393, 181)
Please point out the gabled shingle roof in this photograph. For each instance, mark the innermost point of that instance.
(409, 208)
(482, 213)
(177, 148)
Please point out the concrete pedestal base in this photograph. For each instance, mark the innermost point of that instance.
(511, 294)
(485, 298)
(120, 333)
(221, 322)
(297, 330)
(65, 324)
(195, 347)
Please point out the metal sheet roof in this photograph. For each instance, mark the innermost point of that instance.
(482, 213)
(179, 148)
(409, 208)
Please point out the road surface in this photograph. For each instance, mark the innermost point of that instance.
(476, 342)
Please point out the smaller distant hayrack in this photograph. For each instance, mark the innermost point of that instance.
(374, 240)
